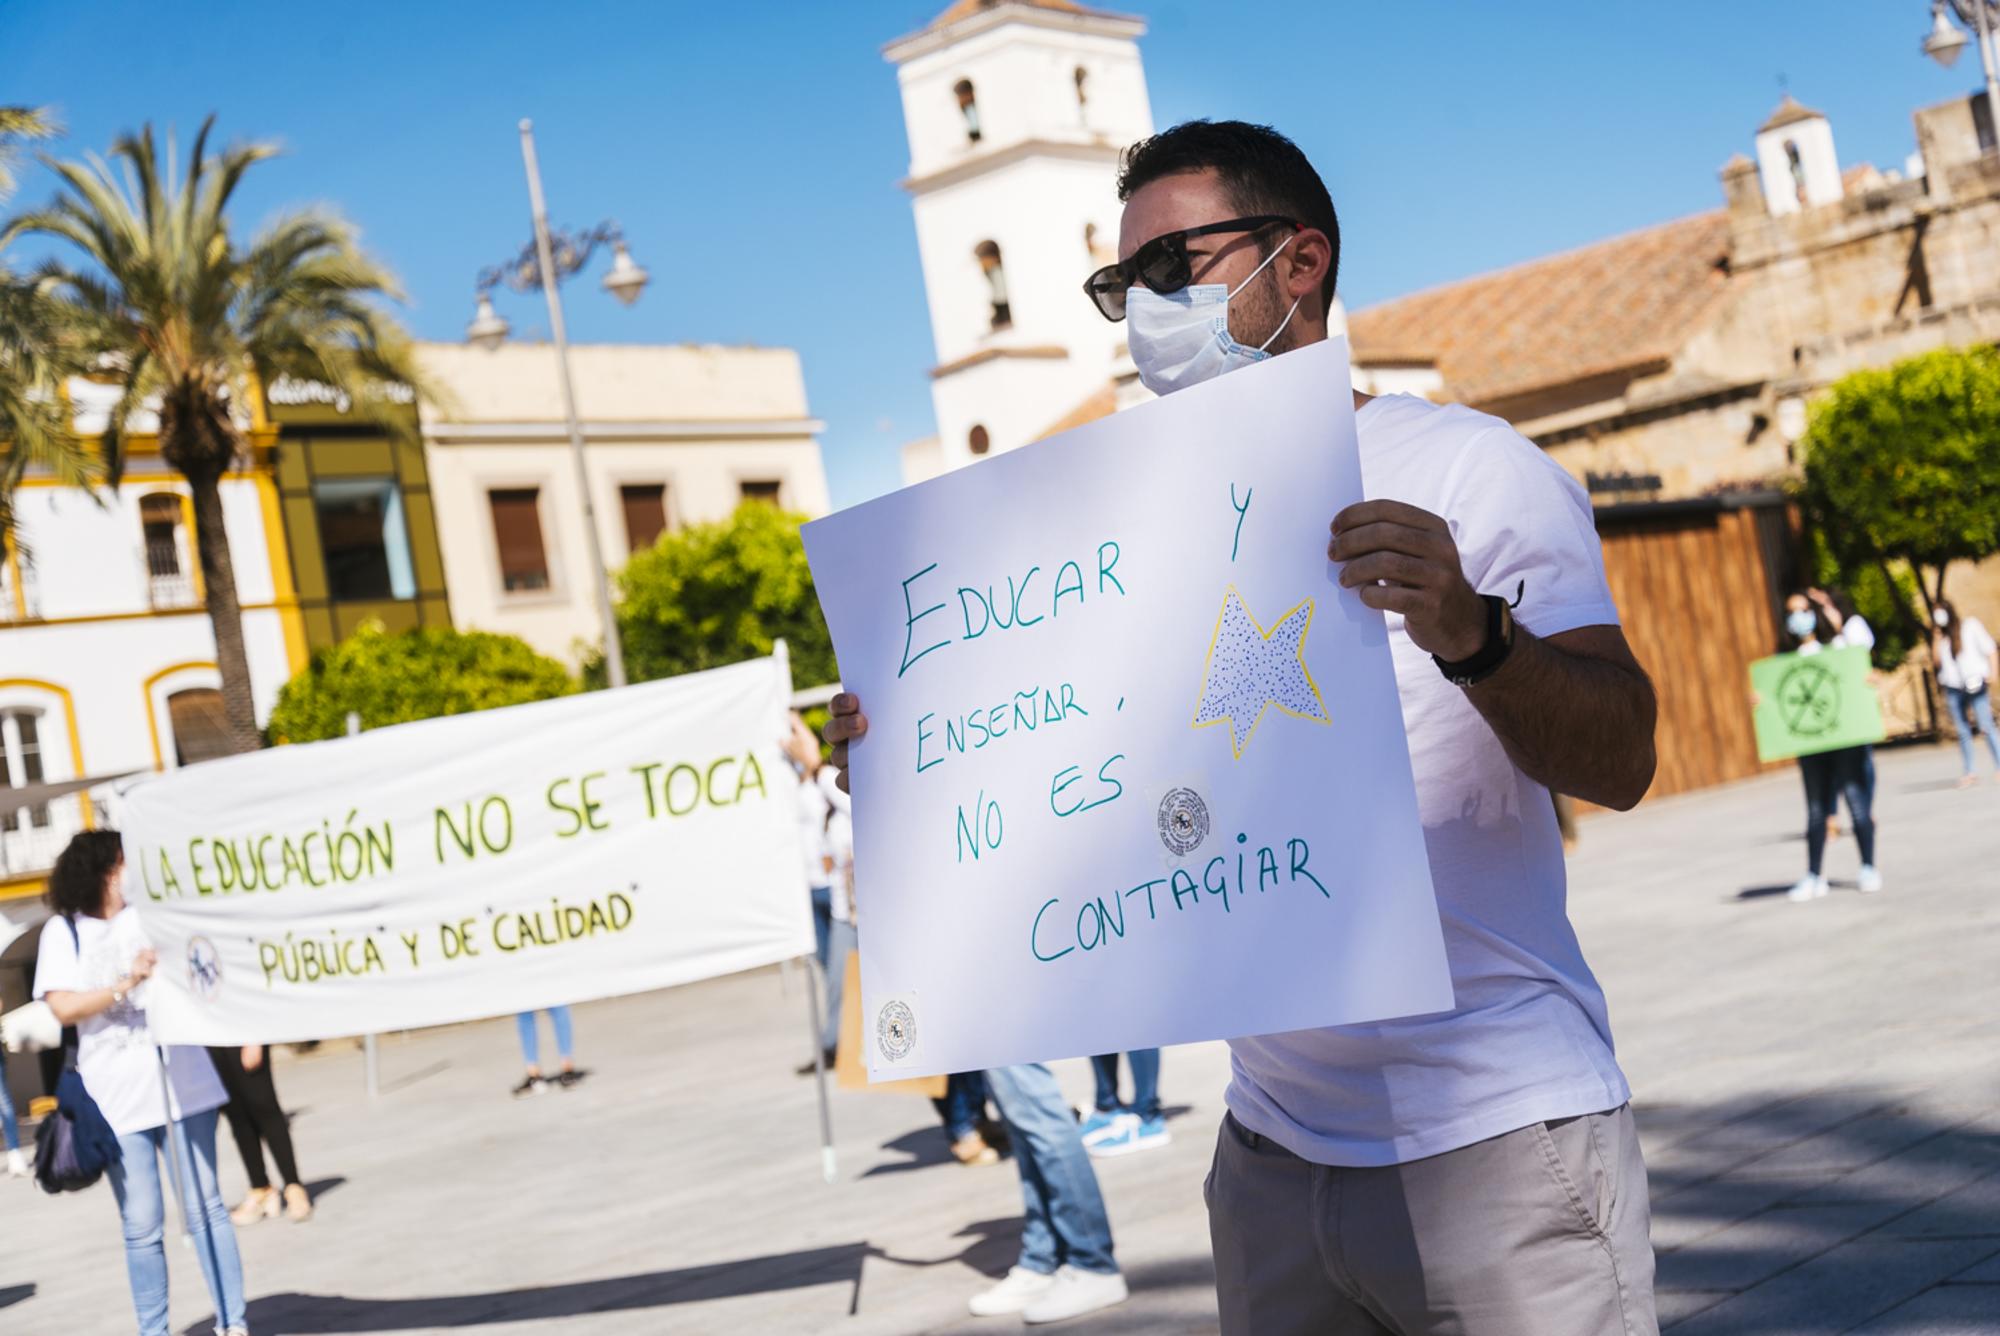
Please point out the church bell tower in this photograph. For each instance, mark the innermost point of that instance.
(1017, 111)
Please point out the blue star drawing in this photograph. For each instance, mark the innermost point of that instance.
(1250, 669)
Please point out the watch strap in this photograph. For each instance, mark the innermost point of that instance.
(1482, 665)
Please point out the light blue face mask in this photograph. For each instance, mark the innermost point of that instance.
(1178, 339)
(1801, 623)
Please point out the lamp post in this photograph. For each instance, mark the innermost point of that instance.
(545, 263)
(1944, 43)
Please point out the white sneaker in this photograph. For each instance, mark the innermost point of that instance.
(1012, 1295)
(1809, 887)
(17, 1164)
(1075, 1293)
(1870, 880)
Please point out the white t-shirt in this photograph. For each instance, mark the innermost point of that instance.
(1854, 633)
(116, 1055)
(839, 843)
(1968, 669)
(812, 831)
(1529, 1038)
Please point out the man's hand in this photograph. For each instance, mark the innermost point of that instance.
(844, 723)
(1412, 550)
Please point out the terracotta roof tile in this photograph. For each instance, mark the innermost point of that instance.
(1102, 403)
(1604, 307)
(1789, 112)
(965, 9)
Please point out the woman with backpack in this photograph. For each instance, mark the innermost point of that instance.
(92, 970)
(1968, 663)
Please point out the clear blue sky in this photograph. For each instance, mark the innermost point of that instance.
(751, 151)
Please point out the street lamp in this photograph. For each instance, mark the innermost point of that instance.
(544, 263)
(1944, 42)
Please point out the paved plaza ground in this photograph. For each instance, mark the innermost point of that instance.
(1818, 1085)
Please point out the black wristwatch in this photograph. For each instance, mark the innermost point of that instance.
(1499, 644)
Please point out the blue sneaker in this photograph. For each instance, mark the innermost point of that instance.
(1132, 1133)
(1100, 1124)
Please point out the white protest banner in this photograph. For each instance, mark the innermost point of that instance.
(1135, 771)
(473, 865)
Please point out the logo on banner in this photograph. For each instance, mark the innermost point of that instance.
(1183, 820)
(896, 1030)
(204, 969)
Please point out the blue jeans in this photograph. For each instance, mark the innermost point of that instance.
(1828, 777)
(135, 1182)
(840, 940)
(10, 1126)
(1064, 1222)
(822, 902)
(1979, 706)
(1145, 1064)
(531, 1046)
(964, 1103)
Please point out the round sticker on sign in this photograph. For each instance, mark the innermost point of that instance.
(896, 1030)
(1183, 820)
(204, 969)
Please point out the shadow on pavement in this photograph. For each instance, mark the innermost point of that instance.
(319, 1187)
(1819, 1212)
(991, 1249)
(13, 1294)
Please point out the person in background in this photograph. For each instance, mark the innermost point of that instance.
(963, 1113)
(1968, 664)
(534, 1083)
(256, 1121)
(1066, 1267)
(841, 935)
(1119, 1129)
(91, 969)
(1829, 774)
(10, 1126)
(802, 749)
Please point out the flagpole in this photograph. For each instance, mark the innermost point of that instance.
(815, 984)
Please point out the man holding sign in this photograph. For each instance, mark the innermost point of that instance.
(1406, 1175)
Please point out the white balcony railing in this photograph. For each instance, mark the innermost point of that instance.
(31, 838)
(173, 590)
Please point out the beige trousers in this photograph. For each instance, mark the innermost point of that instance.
(1540, 1232)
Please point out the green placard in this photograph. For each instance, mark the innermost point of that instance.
(1810, 703)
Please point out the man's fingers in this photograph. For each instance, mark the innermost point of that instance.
(1386, 536)
(1393, 598)
(841, 779)
(1392, 512)
(845, 702)
(1391, 566)
(843, 726)
(839, 758)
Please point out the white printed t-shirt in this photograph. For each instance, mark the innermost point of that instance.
(1529, 1038)
(116, 1056)
(1966, 671)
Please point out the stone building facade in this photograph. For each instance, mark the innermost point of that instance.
(1678, 361)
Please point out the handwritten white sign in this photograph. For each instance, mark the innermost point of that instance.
(475, 865)
(1135, 771)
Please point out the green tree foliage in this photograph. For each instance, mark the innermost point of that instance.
(1902, 469)
(715, 594)
(420, 674)
(187, 315)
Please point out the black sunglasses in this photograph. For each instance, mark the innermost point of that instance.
(1161, 265)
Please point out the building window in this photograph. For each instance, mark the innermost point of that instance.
(968, 107)
(21, 764)
(978, 441)
(366, 543)
(988, 255)
(645, 506)
(1798, 169)
(517, 529)
(201, 729)
(766, 492)
(169, 583)
(1082, 91)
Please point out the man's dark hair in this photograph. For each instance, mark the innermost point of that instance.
(76, 883)
(1262, 171)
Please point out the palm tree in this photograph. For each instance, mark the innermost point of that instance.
(34, 425)
(185, 320)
